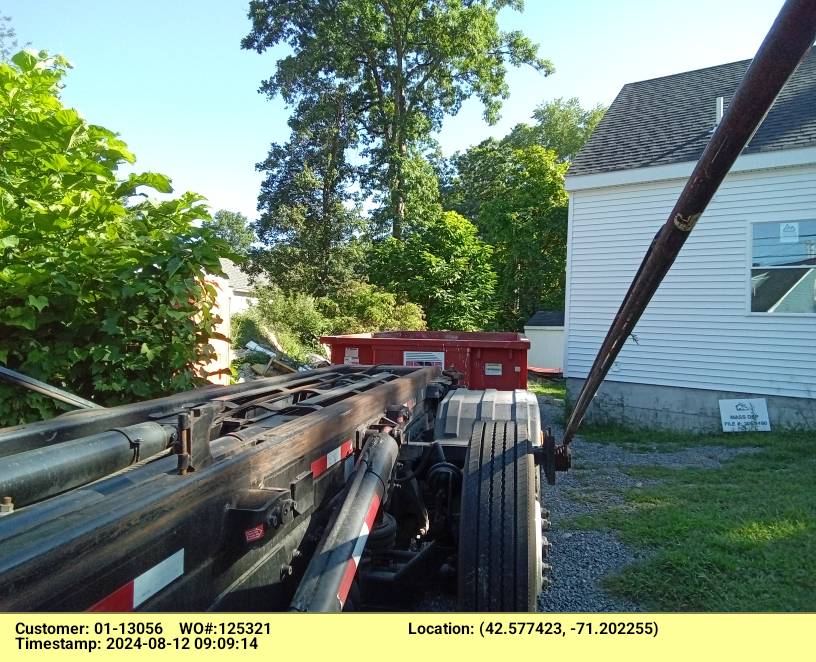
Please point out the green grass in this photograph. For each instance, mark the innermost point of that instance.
(738, 538)
(666, 440)
(553, 388)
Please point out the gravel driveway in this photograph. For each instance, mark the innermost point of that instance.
(597, 480)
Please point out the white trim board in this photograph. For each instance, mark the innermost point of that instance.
(777, 159)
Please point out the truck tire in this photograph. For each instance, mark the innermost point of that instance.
(499, 533)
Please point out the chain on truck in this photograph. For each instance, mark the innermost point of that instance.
(344, 488)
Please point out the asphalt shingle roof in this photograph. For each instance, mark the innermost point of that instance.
(238, 279)
(670, 119)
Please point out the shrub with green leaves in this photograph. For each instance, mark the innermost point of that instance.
(362, 307)
(445, 267)
(102, 291)
(294, 319)
(298, 320)
(250, 325)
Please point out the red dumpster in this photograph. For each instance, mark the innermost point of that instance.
(487, 360)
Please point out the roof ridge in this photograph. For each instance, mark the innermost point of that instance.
(690, 71)
(693, 71)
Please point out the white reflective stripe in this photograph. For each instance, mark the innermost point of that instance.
(149, 583)
(360, 544)
(333, 457)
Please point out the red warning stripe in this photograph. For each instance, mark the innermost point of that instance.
(359, 545)
(323, 464)
(120, 600)
(143, 587)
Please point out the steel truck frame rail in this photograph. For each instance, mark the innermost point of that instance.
(267, 476)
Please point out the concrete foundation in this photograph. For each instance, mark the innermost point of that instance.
(687, 409)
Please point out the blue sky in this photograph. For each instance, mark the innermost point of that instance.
(170, 76)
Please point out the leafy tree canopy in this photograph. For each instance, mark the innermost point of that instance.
(513, 190)
(105, 297)
(306, 227)
(233, 227)
(402, 64)
(517, 200)
(561, 125)
(443, 266)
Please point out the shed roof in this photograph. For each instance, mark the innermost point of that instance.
(670, 119)
(546, 318)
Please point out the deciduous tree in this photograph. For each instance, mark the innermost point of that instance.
(517, 199)
(404, 64)
(307, 227)
(513, 190)
(561, 125)
(444, 267)
(233, 227)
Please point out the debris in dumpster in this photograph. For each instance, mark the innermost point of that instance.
(279, 363)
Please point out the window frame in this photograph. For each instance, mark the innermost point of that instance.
(749, 259)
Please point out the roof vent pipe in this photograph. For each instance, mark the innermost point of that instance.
(719, 112)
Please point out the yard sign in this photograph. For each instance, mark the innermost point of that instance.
(749, 415)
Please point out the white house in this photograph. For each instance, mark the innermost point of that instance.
(736, 315)
(240, 287)
(234, 296)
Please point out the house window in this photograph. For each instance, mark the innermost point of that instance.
(783, 267)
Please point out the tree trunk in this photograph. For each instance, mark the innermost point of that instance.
(398, 194)
(400, 150)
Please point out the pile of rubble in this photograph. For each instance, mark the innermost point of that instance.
(256, 361)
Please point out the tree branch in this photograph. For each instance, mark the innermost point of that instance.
(421, 84)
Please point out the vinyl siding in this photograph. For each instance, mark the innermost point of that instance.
(697, 332)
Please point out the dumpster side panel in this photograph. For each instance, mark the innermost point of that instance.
(502, 369)
(487, 360)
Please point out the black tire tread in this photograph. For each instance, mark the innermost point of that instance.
(496, 541)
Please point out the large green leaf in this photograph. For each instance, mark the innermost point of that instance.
(159, 182)
(38, 302)
(26, 59)
(9, 241)
(17, 316)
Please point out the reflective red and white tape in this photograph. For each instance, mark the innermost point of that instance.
(323, 464)
(359, 545)
(143, 587)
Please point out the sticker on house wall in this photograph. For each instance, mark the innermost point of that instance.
(788, 233)
(351, 356)
(750, 415)
(493, 369)
(423, 359)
